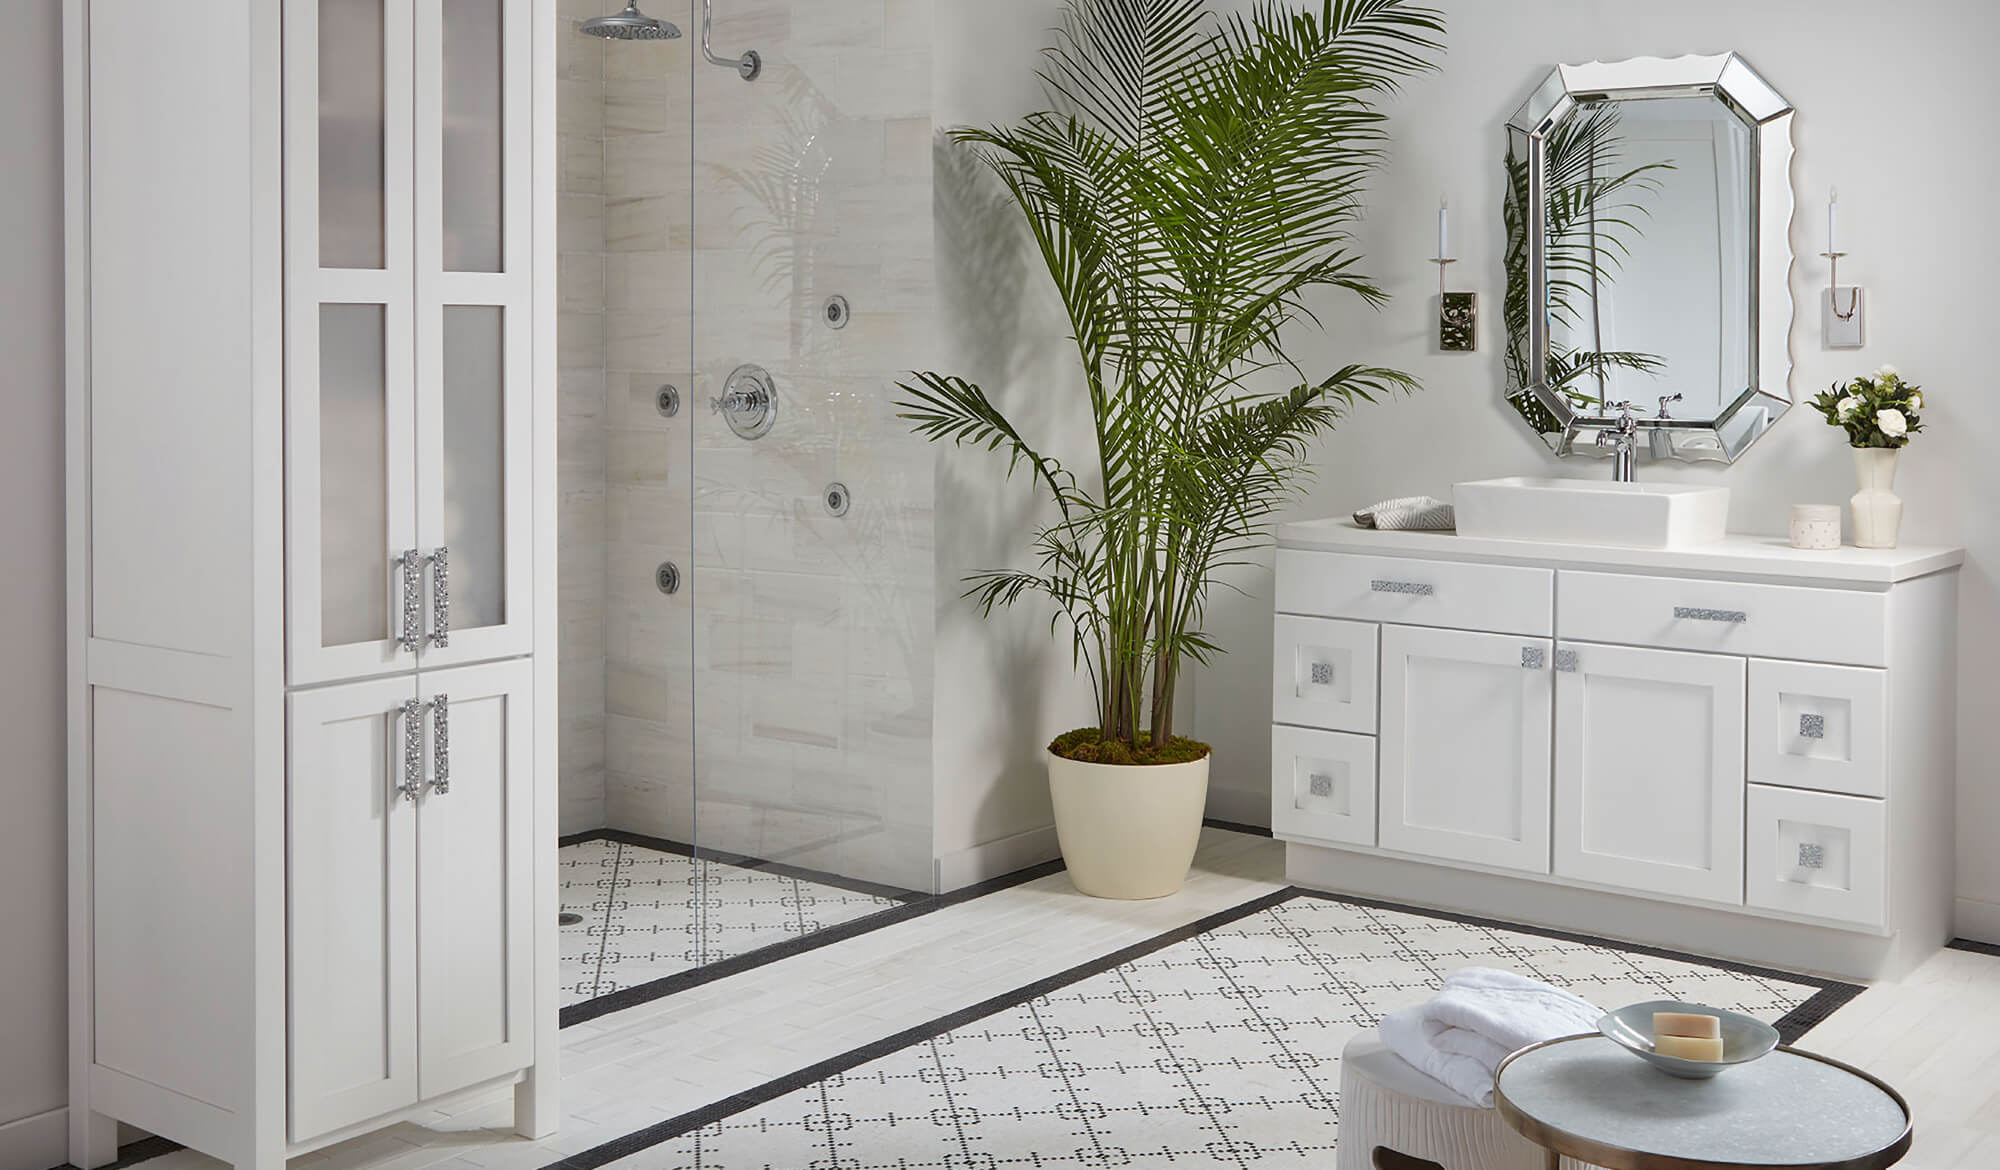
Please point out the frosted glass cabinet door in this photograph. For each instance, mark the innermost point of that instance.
(1465, 747)
(351, 507)
(475, 297)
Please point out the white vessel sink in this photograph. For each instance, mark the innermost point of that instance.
(1590, 511)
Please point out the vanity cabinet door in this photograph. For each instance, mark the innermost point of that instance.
(1465, 747)
(351, 876)
(1649, 770)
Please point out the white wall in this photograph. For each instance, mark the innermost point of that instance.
(31, 572)
(1895, 116)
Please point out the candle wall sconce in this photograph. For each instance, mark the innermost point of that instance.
(1842, 309)
(1457, 312)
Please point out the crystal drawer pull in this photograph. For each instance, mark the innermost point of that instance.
(1533, 658)
(1566, 661)
(1812, 855)
(1692, 614)
(413, 750)
(441, 744)
(441, 597)
(1812, 727)
(412, 635)
(1412, 588)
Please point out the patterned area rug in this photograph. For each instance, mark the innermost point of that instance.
(650, 913)
(1217, 1045)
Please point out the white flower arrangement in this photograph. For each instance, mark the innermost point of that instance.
(1875, 410)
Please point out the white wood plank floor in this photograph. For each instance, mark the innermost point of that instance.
(1934, 1035)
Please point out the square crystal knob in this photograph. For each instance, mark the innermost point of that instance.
(1320, 784)
(1321, 674)
(1812, 855)
(1812, 727)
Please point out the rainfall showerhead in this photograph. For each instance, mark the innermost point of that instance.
(630, 25)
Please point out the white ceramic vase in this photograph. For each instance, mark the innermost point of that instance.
(1878, 510)
(1128, 831)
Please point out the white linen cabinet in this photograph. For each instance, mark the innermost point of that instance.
(311, 560)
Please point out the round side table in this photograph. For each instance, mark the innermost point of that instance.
(1587, 1098)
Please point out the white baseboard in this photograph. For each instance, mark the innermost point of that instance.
(1244, 806)
(996, 858)
(1976, 920)
(35, 1143)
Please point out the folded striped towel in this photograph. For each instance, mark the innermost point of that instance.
(1418, 512)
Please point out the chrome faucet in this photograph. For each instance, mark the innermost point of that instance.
(1662, 441)
(1623, 438)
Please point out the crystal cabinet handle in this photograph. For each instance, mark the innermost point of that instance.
(412, 635)
(1413, 588)
(441, 597)
(1566, 661)
(1688, 613)
(413, 750)
(440, 744)
(1533, 658)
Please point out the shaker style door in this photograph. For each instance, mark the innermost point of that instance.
(475, 842)
(475, 268)
(1649, 770)
(1465, 747)
(350, 367)
(351, 926)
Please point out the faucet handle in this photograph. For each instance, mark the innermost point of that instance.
(1665, 401)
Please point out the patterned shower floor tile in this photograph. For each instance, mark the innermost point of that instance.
(650, 913)
(1219, 1046)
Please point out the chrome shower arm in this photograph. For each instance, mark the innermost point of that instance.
(748, 66)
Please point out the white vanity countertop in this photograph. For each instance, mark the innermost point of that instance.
(1764, 556)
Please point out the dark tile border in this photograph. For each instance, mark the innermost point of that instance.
(915, 907)
(1977, 948)
(132, 1152)
(1236, 826)
(1831, 996)
(745, 861)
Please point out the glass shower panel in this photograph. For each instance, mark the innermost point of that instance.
(351, 133)
(813, 568)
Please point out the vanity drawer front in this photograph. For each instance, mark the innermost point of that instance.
(1323, 673)
(1820, 727)
(1816, 854)
(1726, 617)
(1323, 785)
(1504, 599)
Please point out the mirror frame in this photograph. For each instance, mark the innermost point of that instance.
(1730, 80)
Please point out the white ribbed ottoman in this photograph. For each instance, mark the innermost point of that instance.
(1416, 1123)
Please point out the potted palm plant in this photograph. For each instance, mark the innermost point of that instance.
(1194, 183)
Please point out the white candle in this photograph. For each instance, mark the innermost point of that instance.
(1444, 229)
(1833, 221)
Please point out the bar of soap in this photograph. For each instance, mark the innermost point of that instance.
(1697, 1024)
(1708, 1048)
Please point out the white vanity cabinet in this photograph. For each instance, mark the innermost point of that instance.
(1600, 738)
(312, 496)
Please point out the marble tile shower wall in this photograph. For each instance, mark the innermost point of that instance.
(792, 674)
(813, 632)
(581, 434)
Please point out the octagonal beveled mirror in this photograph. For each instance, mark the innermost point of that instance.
(1649, 205)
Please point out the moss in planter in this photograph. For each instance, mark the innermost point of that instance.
(1087, 745)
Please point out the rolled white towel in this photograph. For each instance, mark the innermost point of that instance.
(1481, 1016)
(1411, 512)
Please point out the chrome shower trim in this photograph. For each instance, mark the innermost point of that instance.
(748, 66)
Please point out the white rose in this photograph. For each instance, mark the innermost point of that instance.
(1916, 402)
(1847, 406)
(1893, 423)
(1888, 372)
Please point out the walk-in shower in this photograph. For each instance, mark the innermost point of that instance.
(746, 756)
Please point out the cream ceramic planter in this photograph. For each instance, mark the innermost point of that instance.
(1128, 831)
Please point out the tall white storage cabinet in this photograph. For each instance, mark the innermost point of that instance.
(312, 500)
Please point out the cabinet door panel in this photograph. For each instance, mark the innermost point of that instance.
(475, 840)
(1649, 771)
(351, 918)
(1324, 673)
(1465, 747)
(475, 296)
(1323, 785)
(350, 404)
